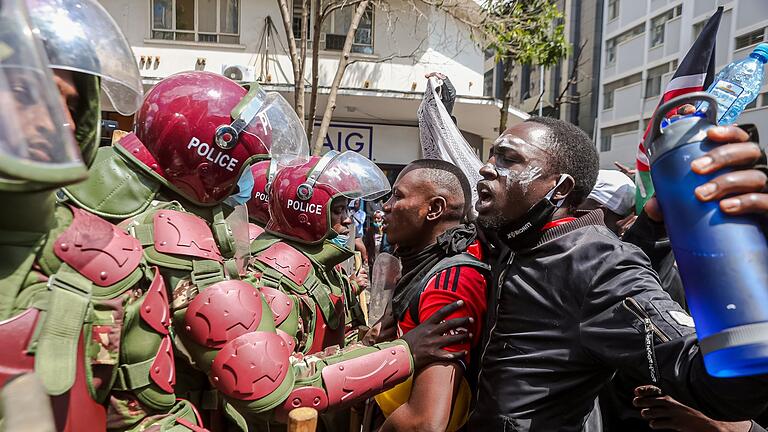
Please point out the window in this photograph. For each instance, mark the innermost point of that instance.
(605, 143)
(608, 99)
(525, 83)
(659, 24)
(609, 88)
(613, 9)
(297, 9)
(653, 80)
(336, 26)
(750, 38)
(697, 28)
(610, 52)
(607, 134)
(216, 21)
(488, 83)
(610, 44)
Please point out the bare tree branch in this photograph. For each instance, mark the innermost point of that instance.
(572, 77)
(389, 57)
(298, 80)
(332, 7)
(343, 59)
(316, 27)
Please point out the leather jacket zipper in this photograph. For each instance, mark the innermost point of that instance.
(650, 330)
(634, 307)
(499, 286)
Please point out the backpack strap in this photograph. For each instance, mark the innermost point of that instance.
(461, 260)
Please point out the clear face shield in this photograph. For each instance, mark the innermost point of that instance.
(268, 115)
(271, 119)
(351, 175)
(35, 145)
(81, 36)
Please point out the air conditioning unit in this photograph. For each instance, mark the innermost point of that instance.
(239, 72)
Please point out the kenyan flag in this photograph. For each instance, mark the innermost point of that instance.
(695, 73)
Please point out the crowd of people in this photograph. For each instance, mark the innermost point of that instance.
(205, 272)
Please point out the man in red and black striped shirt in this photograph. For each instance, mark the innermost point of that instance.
(441, 264)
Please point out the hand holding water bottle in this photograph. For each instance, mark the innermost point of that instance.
(744, 188)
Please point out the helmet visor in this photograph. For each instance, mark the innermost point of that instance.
(81, 36)
(354, 176)
(35, 145)
(287, 142)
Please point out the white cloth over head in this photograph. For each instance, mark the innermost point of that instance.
(441, 139)
(615, 190)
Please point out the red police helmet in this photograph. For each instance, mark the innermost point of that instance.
(258, 205)
(197, 131)
(300, 196)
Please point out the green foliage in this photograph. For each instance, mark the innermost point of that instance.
(525, 31)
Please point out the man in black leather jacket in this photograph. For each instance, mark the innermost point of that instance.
(572, 303)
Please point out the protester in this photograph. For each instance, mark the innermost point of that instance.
(359, 217)
(614, 193)
(424, 216)
(572, 298)
(295, 264)
(377, 226)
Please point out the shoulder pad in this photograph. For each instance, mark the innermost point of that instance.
(183, 233)
(98, 250)
(222, 312)
(155, 310)
(254, 231)
(288, 261)
(252, 366)
(279, 302)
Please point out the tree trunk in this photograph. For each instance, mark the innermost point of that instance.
(299, 87)
(506, 86)
(317, 22)
(343, 59)
(296, 63)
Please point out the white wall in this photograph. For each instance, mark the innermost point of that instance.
(626, 101)
(441, 43)
(623, 149)
(629, 54)
(751, 12)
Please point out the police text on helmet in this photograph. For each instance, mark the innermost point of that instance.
(303, 206)
(212, 154)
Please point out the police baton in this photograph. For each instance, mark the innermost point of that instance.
(302, 420)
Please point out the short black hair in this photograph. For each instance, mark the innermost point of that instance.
(571, 152)
(448, 177)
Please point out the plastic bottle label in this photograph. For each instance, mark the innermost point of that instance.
(726, 94)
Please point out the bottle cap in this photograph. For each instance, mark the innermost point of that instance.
(761, 51)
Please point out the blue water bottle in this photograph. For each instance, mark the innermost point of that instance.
(723, 259)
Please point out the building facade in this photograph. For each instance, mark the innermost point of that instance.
(570, 89)
(642, 43)
(381, 90)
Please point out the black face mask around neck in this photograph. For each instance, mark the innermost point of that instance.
(525, 231)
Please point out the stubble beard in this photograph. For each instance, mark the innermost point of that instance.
(491, 222)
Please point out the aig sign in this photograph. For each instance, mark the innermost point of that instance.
(348, 136)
